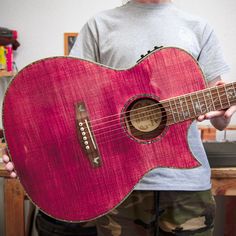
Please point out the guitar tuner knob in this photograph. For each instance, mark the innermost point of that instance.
(141, 57)
(157, 47)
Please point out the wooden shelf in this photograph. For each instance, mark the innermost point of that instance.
(208, 132)
(4, 73)
(223, 173)
(223, 181)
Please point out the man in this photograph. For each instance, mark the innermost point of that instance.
(181, 199)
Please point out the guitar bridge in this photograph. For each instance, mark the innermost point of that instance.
(85, 134)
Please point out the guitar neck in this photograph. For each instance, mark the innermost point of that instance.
(190, 106)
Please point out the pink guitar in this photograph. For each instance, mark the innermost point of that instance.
(82, 135)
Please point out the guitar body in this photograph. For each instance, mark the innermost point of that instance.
(72, 134)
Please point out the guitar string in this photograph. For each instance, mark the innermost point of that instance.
(181, 115)
(121, 128)
(148, 115)
(230, 85)
(153, 105)
(122, 134)
(182, 118)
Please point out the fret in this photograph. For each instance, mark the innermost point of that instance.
(182, 114)
(234, 89)
(199, 104)
(215, 97)
(195, 113)
(191, 108)
(177, 110)
(223, 97)
(217, 89)
(205, 101)
(186, 102)
(227, 96)
(204, 104)
(181, 106)
(231, 93)
(172, 111)
(213, 103)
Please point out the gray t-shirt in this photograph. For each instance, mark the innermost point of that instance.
(118, 37)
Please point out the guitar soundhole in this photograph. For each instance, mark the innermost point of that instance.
(145, 119)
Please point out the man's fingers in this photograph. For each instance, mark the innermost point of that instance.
(210, 115)
(5, 158)
(9, 166)
(13, 175)
(201, 118)
(228, 114)
(5, 151)
(220, 82)
(213, 114)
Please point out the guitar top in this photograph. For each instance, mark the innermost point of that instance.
(82, 135)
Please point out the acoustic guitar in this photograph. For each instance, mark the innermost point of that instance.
(82, 135)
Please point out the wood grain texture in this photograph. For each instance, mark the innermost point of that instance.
(14, 208)
(226, 187)
(224, 181)
(223, 173)
(39, 112)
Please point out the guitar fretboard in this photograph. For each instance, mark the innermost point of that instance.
(190, 106)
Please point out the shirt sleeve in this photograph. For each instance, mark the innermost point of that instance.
(86, 45)
(211, 58)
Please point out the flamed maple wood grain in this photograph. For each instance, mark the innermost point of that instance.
(39, 112)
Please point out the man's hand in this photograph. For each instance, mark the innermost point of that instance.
(219, 119)
(9, 166)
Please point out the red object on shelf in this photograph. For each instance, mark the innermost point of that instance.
(9, 58)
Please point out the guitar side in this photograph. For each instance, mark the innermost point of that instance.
(45, 109)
